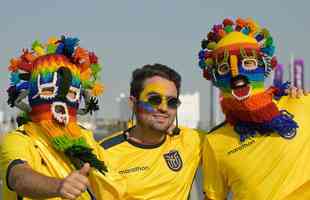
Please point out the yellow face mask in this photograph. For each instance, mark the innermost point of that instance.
(152, 88)
(153, 96)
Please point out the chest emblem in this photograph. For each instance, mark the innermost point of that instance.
(173, 160)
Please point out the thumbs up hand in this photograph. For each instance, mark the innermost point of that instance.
(85, 169)
(75, 184)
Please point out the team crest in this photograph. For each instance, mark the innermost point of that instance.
(173, 160)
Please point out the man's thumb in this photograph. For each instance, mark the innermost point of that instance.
(85, 169)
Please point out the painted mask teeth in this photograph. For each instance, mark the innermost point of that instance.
(60, 112)
(240, 98)
(47, 97)
(47, 90)
(75, 92)
(239, 84)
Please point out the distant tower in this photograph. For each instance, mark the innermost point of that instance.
(124, 109)
(216, 114)
(299, 73)
(189, 111)
(278, 75)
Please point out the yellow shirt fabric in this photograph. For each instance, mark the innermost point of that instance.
(29, 144)
(161, 172)
(264, 167)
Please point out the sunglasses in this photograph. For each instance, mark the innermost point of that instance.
(171, 102)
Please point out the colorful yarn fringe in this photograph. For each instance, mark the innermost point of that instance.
(283, 124)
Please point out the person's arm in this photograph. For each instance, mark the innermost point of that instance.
(213, 180)
(29, 183)
(112, 185)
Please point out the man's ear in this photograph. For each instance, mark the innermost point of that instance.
(132, 102)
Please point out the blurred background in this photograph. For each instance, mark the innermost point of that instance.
(128, 34)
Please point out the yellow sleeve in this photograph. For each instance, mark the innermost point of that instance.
(213, 180)
(15, 146)
(202, 134)
(303, 192)
(110, 186)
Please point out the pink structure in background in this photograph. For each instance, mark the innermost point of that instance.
(278, 75)
(298, 69)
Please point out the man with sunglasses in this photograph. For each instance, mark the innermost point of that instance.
(158, 159)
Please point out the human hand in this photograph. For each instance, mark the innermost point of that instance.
(75, 184)
(294, 92)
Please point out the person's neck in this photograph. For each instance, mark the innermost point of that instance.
(146, 136)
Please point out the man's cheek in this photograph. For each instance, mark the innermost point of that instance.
(144, 107)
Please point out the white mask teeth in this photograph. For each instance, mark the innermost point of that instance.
(51, 85)
(243, 97)
(62, 118)
(76, 91)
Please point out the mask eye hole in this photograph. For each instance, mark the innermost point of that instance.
(223, 69)
(249, 64)
(47, 89)
(73, 94)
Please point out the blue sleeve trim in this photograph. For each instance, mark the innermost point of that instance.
(11, 165)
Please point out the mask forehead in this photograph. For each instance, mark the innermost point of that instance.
(158, 88)
(53, 75)
(243, 38)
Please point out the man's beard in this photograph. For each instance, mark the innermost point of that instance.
(258, 108)
(160, 128)
(163, 129)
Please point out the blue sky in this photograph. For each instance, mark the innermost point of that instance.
(127, 34)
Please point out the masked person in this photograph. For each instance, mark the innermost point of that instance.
(50, 155)
(158, 159)
(262, 149)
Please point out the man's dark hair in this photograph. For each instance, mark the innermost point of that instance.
(149, 71)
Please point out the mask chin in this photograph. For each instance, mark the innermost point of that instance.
(60, 112)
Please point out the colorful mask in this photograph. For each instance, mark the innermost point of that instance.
(56, 77)
(236, 57)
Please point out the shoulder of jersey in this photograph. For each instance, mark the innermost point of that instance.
(19, 130)
(84, 129)
(192, 133)
(214, 129)
(113, 140)
(187, 131)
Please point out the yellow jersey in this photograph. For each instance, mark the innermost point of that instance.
(263, 167)
(157, 172)
(29, 144)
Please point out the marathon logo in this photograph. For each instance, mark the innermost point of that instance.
(173, 160)
(133, 170)
(241, 147)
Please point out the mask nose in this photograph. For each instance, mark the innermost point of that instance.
(234, 65)
(65, 78)
(239, 81)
